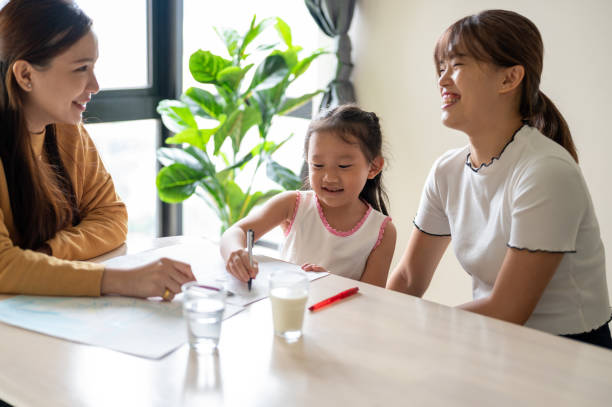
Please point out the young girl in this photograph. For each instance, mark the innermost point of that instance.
(514, 200)
(57, 202)
(338, 226)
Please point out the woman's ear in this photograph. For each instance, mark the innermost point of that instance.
(513, 76)
(22, 71)
(376, 166)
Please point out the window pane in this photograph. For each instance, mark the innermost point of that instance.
(121, 27)
(128, 152)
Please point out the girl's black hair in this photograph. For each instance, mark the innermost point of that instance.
(351, 121)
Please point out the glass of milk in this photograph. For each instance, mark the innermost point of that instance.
(288, 295)
(203, 306)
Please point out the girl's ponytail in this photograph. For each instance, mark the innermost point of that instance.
(545, 116)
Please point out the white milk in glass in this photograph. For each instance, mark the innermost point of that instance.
(288, 305)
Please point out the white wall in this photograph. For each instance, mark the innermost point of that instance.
(394, 76)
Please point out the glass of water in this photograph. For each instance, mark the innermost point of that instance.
(203, 306)
(288, 295)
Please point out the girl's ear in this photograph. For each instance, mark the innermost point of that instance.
(22, 71)
(513, 76)
(376, 166)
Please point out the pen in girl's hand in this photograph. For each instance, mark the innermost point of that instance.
(250, 236)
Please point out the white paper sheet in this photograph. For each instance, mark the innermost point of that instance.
(145, 328)
(207, 266)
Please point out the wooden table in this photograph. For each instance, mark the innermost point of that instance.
(377, 348)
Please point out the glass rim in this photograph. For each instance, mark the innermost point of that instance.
(204, 287)
(288, 277)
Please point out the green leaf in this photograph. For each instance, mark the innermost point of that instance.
(234, 197)
(168, 156)
(282, 176)
(205, 100)
(176, 182)
(207, 165)
(189, 136)
(232, 76)
(263, 146)
(239, 164)
(205, 66)
(236, 126)
(269, 73)
(266, 47)
(290, 56)
(176, 115)
(253, 32)
(230, 38)
(283, 31)
(304, 64)
(288, 104)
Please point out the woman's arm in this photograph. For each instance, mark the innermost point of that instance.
(418, 264)
(273, 213)
(103, 224)
(519, 285)
(377, 265)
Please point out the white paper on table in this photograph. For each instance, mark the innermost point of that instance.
(140, 327)
(207, 266)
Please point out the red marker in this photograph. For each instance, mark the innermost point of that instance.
(333, 299)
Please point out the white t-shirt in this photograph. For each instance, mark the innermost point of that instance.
(532, 197)
(311, 239)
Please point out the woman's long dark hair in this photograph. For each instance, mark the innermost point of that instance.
(505, 38)
(349, 120)
(42, 196)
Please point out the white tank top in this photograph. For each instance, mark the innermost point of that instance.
(310, 238)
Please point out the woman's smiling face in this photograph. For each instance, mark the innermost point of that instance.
(60, 91)
(469, 91)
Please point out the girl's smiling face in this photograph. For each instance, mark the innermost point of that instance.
(338, 169)
(60, 91)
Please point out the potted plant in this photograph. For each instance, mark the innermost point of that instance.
(238, 97)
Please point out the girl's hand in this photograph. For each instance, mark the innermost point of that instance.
(239, 266)
(313, 267)
(150, 280)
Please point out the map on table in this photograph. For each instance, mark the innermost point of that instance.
(140, 327)
(148, 328)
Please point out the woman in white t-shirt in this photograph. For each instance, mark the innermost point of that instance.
(514, 200)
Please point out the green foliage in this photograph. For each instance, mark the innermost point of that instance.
(237, 105)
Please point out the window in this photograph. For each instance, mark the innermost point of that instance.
(139, 44)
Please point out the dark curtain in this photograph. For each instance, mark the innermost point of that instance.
(334, 18)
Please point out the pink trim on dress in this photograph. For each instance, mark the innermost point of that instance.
(297, 203)
(337, 232)
(381, 232)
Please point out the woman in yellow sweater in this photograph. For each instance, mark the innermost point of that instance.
(57, 202)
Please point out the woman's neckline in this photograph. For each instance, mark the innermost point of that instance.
(468, 160)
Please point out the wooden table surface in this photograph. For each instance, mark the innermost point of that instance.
(377, 348)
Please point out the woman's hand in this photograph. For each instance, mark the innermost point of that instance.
(239, 266)
(313, 267)
(150, 280)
